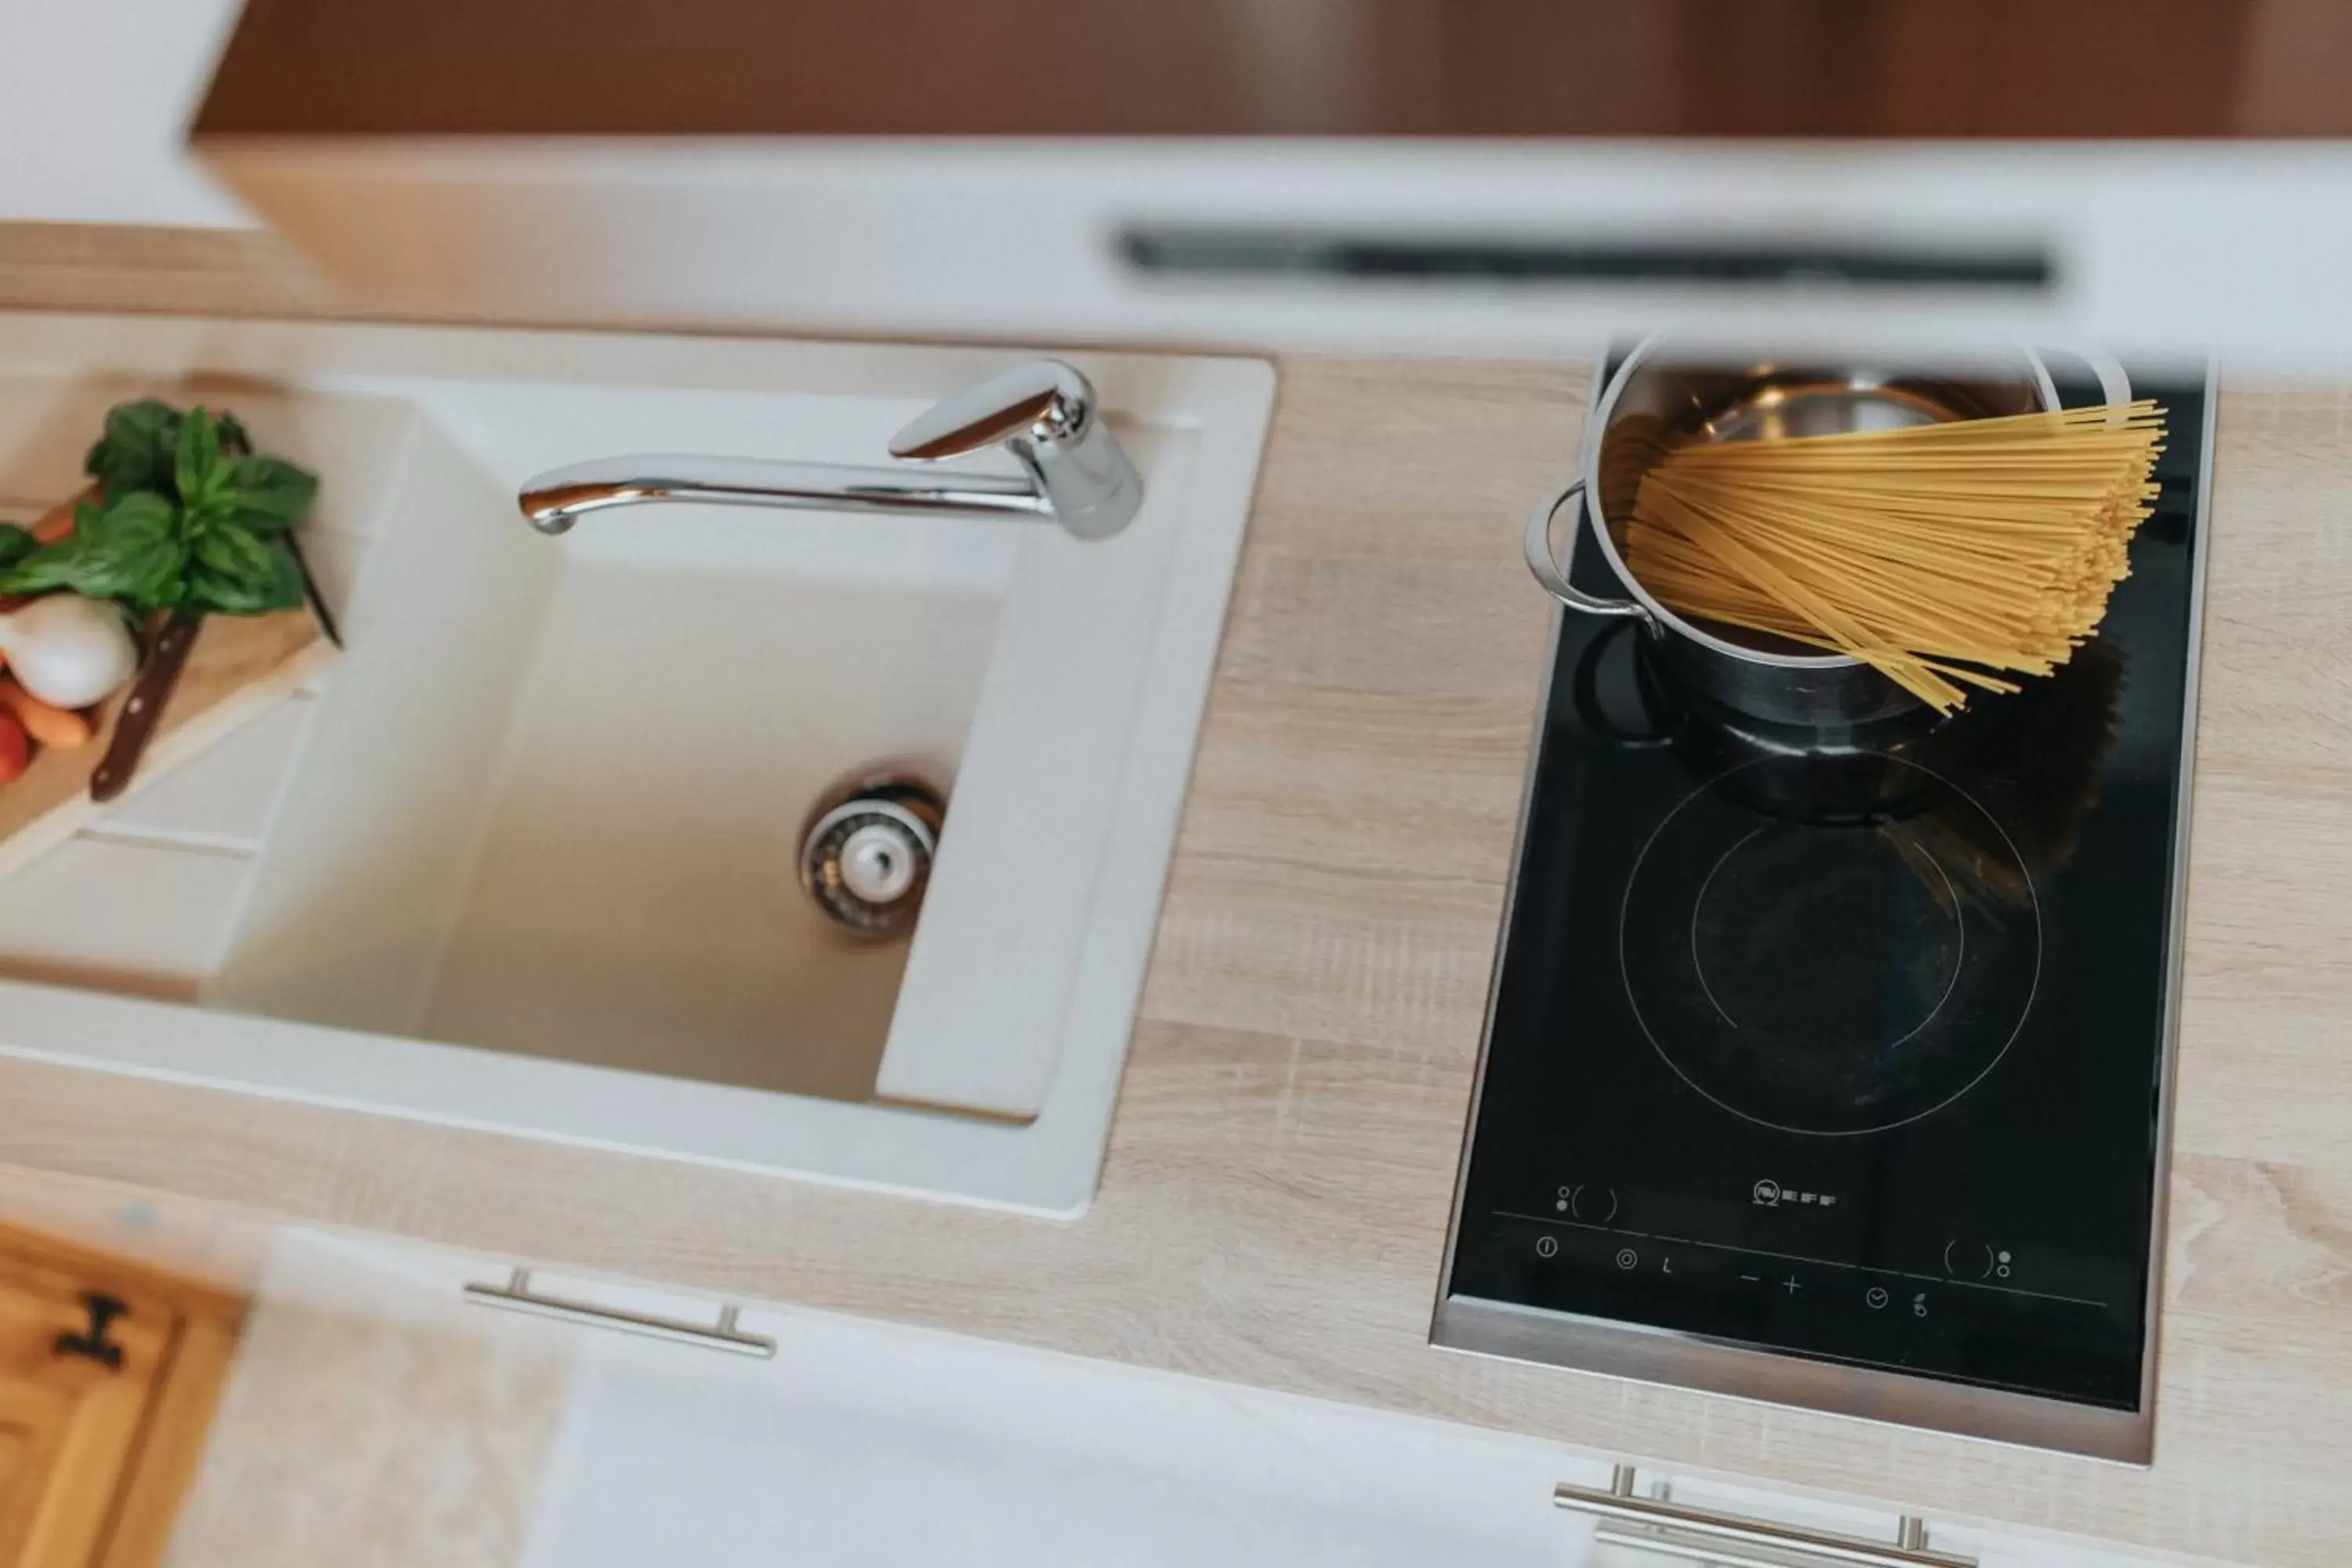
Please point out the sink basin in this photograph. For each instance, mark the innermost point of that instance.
(592, 856)
(532, 863)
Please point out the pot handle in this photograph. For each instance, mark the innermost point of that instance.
(1549, 569)
(2115, 385)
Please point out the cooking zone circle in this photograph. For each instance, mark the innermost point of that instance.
(1830, 947)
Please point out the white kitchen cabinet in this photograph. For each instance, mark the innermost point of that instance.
(445, 1434)
(372, 1403)
(866, 1445)
(870, 1446)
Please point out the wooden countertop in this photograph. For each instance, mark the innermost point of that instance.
(1275, 1195)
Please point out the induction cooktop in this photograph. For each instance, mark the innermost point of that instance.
(1830, 1068)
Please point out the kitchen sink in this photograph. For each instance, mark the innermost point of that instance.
(584, 844)
(532, 861)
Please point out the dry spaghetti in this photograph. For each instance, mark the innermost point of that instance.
(1948, 556)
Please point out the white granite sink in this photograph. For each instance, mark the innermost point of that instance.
(533, 865)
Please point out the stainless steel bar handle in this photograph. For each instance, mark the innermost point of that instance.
(517, 1296)
(1705, 1535)
(1707, 1554)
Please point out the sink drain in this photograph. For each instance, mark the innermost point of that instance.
(866, 853)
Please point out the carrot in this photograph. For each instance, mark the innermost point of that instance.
(50, 527)
(59, 520)
(51, 726)
(15, 752)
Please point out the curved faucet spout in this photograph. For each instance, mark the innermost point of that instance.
(1074, 469)
(554, 500)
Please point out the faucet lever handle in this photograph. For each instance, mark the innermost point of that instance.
(1043, 400)
(1044, 412)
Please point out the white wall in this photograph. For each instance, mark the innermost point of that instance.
(94, 95)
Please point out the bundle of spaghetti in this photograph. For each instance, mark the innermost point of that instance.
(1949, 556)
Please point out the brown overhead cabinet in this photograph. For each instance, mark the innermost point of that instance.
(2007, 68)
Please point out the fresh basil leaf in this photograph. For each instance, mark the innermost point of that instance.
(61, 563)
(289, 585)
(130, 551)
(54, 564)
(51, 566)
(139, 515)
(225, 578)
(190, 516)
(234, 552)
(198, 456)
(137, 451)
(16, 543)
(268, 495)
(214, 510)
(134, 552)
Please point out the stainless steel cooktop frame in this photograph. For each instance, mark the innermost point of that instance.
(1685, 1360)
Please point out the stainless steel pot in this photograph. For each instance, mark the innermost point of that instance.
(1662, 397)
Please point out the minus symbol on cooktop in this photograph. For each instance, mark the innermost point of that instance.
(1751, 1279)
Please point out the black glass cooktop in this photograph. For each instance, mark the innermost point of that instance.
(1849, 1046)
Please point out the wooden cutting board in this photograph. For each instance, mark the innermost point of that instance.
(240, 667)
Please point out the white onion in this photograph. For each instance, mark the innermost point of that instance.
(66, 650)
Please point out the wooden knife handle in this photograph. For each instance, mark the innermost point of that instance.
(135, 726)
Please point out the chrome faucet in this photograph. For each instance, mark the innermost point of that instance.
(1044, 411)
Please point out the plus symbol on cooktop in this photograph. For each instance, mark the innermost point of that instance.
(1790, 1284)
